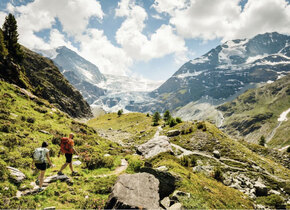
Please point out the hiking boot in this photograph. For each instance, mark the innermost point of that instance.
(74, 173)
(37, 182)
(60, 173)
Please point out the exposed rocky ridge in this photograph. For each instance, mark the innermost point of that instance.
(257, 112)
(47, 82)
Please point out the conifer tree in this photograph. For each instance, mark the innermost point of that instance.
(166, 116)
(3, 49)
(11, 38)
(156, 118)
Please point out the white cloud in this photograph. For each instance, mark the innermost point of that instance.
(98, 49)
(156, 16)
(211, 19)
(168, 6)
(162, 42)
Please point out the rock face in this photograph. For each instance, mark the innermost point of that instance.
(155, 146)
(134, 191)
(167, 181)
(17, 175)
(51, 85)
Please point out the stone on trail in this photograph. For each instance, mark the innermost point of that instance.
(54, 178)
(17, 175)
(77, 163)
(134, 191)
(155, 146)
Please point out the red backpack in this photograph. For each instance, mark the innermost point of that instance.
(66, 145)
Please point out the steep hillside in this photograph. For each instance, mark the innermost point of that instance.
(229, 69)
(258, 112)
(81, 73)
(25, 122)
(42, 77)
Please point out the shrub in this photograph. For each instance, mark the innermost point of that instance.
(120, 112)
(4, 174)
(262, 141)
(172, 122)
(188, 161)
(218, 174)
(178, 120)
(135, 163)
(23, 118)
(30, 119)
(7, 189)
(201, 126)
(95, 161)
(5, 128)
(147, 115)
(156, 117)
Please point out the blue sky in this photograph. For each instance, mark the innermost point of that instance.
(148, 38)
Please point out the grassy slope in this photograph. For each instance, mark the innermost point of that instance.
(18, 138)
(218, 196)
(271, 99)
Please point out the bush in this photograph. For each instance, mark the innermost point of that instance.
(188, 161)
(201, 126)
(30, 119)
(95, 161)
(135, 163)
(23, 118)
(178, 120)
(272, 200)
(4, 174)
(120, 112)
(218, 174)
(262, 141)
(172, 122)
(5, 128)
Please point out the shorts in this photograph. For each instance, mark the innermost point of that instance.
(68, 157)
(41, 166)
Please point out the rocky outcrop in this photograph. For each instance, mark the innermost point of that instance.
(167, 181)
(155, 146)
(134, 191)
(16, 175)
(173, 133)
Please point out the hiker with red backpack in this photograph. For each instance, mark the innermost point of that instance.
(67, 148)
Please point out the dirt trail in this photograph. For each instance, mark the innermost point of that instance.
(118, 170)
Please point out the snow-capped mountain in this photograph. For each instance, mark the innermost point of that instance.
(81, 73)
(226, 71)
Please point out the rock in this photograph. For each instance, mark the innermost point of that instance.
(49, 208)
(45, 132)
(227, 182)
(207, 170)
(155, 146)
(162, 168)
(274, 192)
(134, 191)
(110, 128)
(260, 189)
(173, 133)
(216, 154)
(178, 193)
(167, 181)
(17, 175)
(107, 155)
(165, 202)
(54, 178)
(176, 206)
(77, 163)
(76, 157)
(143, 131)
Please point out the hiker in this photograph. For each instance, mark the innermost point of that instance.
(67, 148)
(40, 158)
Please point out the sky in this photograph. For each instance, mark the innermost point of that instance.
(147, 38)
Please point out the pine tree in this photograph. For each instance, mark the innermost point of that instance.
(11, 38)
(3, 49)
(156, 118)
(166, 116)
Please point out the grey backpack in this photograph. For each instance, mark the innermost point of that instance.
(39, 155)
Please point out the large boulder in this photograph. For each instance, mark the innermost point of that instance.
(155, 146)
(17, 175)
(135, 191)
(167, 181)
(173, 133)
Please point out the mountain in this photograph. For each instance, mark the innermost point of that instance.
(225, 72)
(81, 73)
(124, 92)
(260, 112)
(40, 76)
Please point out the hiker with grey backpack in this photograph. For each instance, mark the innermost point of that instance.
(40, 159)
